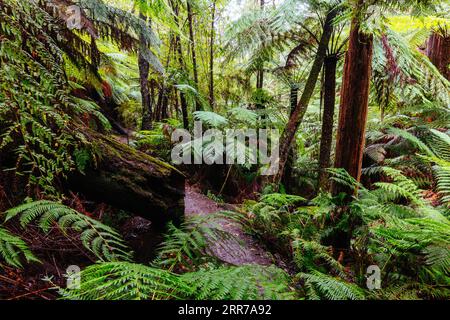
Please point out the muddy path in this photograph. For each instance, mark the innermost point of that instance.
(245, 250)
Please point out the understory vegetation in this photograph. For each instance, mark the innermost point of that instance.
(91, 92)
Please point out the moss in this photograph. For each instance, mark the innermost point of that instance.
(111, 148)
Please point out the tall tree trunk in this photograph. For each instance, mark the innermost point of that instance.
(297, 115)
(179, 50)
(326, 139)
(260, 79)
(287, 179)
(438, 50)
(192, 45)
(354, 105)
(211, 57)
(293, 97)
(184, 105)
(144, 68)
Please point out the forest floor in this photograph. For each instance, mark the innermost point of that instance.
(240, 250)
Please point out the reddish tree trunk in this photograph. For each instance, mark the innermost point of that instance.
(327, 120)
(438, 50)
(354, 105)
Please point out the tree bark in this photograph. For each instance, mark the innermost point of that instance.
(193, 53)
(131, 180)
(179, 51)
(287, 179)
(211, 57)
(326, 139)
(438, 51)
(144, 68)
(297, 115)
(354, 105)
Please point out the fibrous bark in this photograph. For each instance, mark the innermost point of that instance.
(354, 105)
(438, 50)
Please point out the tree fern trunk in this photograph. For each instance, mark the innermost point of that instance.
(354, 105)
(327, 120)
(438, 50)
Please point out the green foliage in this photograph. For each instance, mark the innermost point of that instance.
(33, 95)
(249, 282)
(187, 246)
(105, 243)
(211, 119)
(129, 281)
(322, 286)
(13, 249)
(126, 281)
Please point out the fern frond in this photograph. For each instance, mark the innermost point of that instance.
(249, 282)
(13, 249)
(105, 243)
(319, 285)
(189, 245)
(126, 281)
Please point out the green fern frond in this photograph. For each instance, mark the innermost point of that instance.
(188, 245)
(13, 249)
(319, 286)
(105, 243)
(249, 282)
(126, 281)
(210, 118)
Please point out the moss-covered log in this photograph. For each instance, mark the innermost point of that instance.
(131, 180)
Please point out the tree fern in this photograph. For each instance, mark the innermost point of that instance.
(105, 243)
(249, 282)
(129, 281)
(319, 286)
(13, 249)
(189, 245)
(210, 118)
(126, 281)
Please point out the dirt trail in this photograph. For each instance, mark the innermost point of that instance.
(245, 251)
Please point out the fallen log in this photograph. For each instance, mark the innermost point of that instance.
(130, 180)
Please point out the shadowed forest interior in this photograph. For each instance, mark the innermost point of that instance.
(103, 196)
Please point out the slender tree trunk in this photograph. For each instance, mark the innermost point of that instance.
(192, 45)
(184, 105)
(260, 79)
(438, 50)
(297, 115)
(293, 97)
(144, 68)
(354, 105)
(326, 139)
(179, 50)
(287, 179)
(211, 57)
